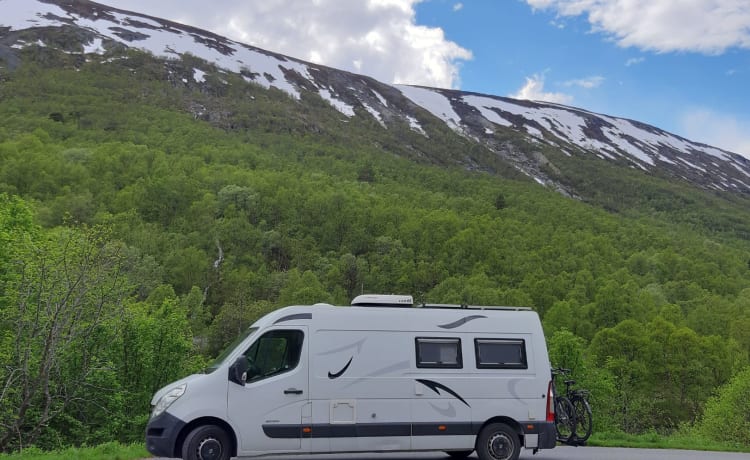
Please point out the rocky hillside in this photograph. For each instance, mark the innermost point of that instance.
(521, 133)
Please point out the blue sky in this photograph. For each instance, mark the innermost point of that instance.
(681, 65)
(686, 91)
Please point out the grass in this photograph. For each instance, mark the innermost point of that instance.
(108, 451)
(653, 440)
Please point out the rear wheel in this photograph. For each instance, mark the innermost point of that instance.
(498, 441)
(583, 418)
(458, 454)
(207, 442)
(565, 419)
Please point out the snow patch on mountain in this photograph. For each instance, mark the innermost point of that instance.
(95, 47)
(380, 97)
(375, 114)
(486, 106)
(434, 102)
(415, 126)
(338, 104)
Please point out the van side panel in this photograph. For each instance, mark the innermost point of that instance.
(368, 394)
(358, 389)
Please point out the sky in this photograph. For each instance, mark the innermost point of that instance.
(680, 65)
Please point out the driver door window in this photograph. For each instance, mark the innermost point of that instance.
(275, 352)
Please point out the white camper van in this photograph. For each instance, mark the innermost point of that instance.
(367, 378)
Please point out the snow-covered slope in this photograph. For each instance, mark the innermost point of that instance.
(478, 118)
(611, 138)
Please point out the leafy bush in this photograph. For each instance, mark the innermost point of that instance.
(727, 414)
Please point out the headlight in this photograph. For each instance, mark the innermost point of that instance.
(167, 400)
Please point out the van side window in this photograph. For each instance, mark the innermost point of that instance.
(439, 352)
(273, 353)
(500, 353)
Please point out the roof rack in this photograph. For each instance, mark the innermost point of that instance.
(390, 300)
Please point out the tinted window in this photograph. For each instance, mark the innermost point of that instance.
(273, 353)
(500, 354)
(436, 352)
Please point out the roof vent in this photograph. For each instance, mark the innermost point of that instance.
(382, 300)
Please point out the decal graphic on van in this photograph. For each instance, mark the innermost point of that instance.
(460, 322)
(400, 366)
(449, 412)
(293, 317)
(436, 387)
(341, 372)
(358, 344)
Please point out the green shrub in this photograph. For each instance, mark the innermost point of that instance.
(727, 414)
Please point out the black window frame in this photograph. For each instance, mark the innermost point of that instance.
(524, 364)
(300, 338)
(432, 365)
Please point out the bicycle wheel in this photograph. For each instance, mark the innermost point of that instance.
(584, 422)
(565, 419)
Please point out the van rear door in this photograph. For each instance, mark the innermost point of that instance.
(270, 408)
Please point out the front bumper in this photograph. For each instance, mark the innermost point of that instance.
(162, 433)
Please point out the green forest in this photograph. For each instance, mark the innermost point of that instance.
(138, 237)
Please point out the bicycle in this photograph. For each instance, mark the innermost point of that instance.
(578, 412)
(565, 422)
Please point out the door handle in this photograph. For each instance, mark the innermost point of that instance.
(292, 391)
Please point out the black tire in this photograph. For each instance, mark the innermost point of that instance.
(565, 419)
(498, 441)
(584, 420)
(459, 454)
(207, 442)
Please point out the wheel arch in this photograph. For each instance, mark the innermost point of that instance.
(506, 420)
(489, 443)
(201, 422)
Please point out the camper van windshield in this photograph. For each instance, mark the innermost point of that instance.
(228, 350)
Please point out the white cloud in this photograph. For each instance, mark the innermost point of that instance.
(533, 90)
(587, 83)
(719, 130)
(379, 38)
(704, 26)
(634, 61)
(559, 25)
(458, 6)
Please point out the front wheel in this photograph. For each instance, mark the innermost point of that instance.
(207, 442)
(498, 441)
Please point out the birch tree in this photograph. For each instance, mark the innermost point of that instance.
(61, 302)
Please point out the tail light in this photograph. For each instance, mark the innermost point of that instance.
(550, 403)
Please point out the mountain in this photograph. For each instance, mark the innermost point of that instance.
(535, 138)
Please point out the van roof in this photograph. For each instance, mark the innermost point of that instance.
(422, 318)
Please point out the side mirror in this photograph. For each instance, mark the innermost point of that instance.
(238, 371)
